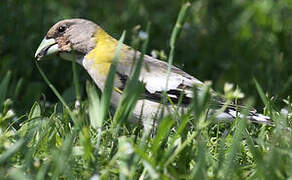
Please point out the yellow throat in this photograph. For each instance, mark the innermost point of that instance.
(103, 53)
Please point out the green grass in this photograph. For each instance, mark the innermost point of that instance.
(64, 141)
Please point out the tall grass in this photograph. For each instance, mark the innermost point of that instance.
(87, 142)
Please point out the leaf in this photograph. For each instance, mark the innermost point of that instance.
(35, 111)
(94, 106)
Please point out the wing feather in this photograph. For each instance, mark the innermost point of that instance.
(154, 76)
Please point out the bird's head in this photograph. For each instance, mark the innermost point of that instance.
(68, 37)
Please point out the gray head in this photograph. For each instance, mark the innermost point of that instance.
(68, 36)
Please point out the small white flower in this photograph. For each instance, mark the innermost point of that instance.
(154, 53)
(143, 35)
(77, 104)
(238, 94)
(7, 102)
(186, 26)
(7, 144)
(228, 87)
(94, 177)
(127, 148)
(208, 83)
(284, 112)
(10, 113)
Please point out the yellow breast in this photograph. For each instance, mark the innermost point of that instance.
(103, 54)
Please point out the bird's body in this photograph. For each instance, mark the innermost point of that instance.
(95, 50)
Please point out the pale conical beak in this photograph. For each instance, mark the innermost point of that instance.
(47, 47)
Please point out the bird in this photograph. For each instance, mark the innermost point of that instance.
(94, 49)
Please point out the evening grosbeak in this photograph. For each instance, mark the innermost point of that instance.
(94, 49)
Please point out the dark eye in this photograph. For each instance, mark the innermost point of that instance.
(61, 29)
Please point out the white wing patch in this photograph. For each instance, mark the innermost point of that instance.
(154, 75)
(155, 79)
(157, 83)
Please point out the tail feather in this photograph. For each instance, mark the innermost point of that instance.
(259, 118)
(231, 114)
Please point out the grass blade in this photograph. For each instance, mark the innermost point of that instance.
(76, 80)
(261, 93)
(109, 83)
(132, 90)
(58, 95)
(173, 38)
(4, 87)
(13, 149)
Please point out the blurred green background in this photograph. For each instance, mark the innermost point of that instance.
(223, 41)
